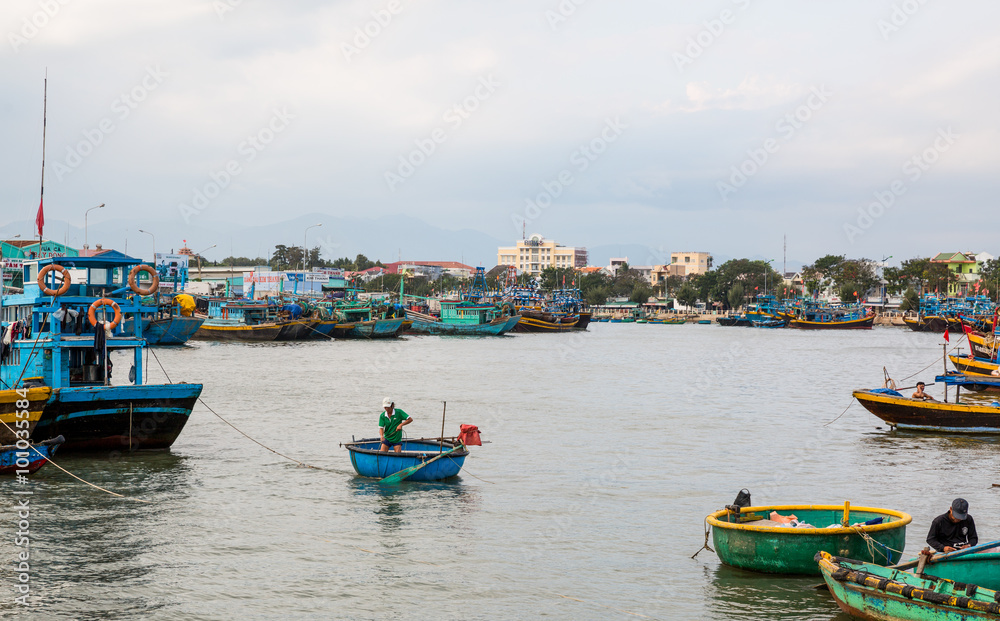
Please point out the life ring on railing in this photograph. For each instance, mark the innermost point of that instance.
(92, 313)
(154, 286)
(65, 280)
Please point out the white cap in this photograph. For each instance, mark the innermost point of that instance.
(387, 402)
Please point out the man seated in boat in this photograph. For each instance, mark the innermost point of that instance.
(920, 394)
(953, 530)
(390, 426)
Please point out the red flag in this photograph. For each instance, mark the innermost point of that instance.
(946, 335)
(40, 220)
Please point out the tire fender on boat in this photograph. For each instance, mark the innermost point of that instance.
(66, 280)
(92, 313)
(134, 285)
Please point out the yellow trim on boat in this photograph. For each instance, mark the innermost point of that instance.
(829, 323)
(972, 363)
(37, 398)
(902, 520)
(926, 405)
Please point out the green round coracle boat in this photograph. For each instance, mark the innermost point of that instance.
(750, 540)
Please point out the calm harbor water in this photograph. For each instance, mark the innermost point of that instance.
(607, 449)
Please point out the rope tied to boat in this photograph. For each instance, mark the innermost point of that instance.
(708, 530)
(872, 543)
(238, 430)
(841, 414)
(84, 481)
(257, 442)
(957, 344)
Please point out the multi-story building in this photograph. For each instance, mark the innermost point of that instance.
(966, 266)
(662, 272)
(534, 254)
(693, 262)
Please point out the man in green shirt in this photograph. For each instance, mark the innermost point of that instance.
(390, 426)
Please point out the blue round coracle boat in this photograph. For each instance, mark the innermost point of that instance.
(368, 461)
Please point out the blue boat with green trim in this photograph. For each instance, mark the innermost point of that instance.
(464, 318)
(63, 337)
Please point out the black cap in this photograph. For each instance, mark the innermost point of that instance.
(959, 509)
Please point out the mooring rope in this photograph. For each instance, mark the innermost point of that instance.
(933, 363)
(872, 543)
(262, 445)
(842, 413)
(84, 481)
(706, 546)
(238, 430)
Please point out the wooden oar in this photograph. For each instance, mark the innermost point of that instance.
(392, 479)
(949, 555)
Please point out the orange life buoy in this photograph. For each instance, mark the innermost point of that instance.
(92, 313)
(65, 280)
(135, 285)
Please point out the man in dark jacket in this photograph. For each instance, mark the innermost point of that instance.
(953, 530)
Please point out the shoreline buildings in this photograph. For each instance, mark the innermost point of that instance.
(534, 254)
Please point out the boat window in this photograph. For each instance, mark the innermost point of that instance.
(14, 357)
(98, 277)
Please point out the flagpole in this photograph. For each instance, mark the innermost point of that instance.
(40, 217)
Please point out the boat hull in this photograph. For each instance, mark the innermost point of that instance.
(584, 320)
(981, 348)
(864, 323)
(785, 550)
(534, 324)
(868, 591)
(905, 413)
(973, 366)
(377, 329)
(497, 327)
(15, 461)
(9, 411)
(368, 461)
(210, 331)
(117, 418)
(982, 569)
(926, 324)
(167, 331)
(296, 330)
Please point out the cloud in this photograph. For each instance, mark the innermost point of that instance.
(753, 93)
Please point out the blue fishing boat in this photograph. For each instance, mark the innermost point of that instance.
(814, 315)
(368, 461)
(460, 317)
(173, 323)
(27, 460)
(63, 337)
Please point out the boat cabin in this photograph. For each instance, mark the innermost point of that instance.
(53, 339)
(467, 313)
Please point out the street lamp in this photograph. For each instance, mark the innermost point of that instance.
(304, 245)
(85, 214)
(199, 258)
(767, 268)
(154, 243)
(884, 282)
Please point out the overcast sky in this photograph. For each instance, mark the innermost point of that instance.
(716, 126)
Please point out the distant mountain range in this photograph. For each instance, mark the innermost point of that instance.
(387, 239)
